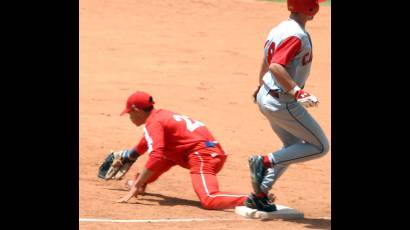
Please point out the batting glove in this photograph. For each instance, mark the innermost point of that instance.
(304, 98)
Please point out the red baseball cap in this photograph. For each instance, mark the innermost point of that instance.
(139, 100)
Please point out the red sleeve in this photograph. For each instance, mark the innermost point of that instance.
(154, 139)
(286, 51)
(154, 136)
(141, 147)
(155, 163)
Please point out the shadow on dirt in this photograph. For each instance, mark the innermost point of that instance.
(172, 201)
(117, 189)
(169, 200)
(166, 200)
(313, 223)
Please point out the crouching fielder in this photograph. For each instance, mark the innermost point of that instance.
(172, 139)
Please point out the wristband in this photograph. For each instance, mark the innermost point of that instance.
(294, 90)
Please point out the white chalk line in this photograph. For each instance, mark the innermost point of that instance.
(169, 220)
(155, 220)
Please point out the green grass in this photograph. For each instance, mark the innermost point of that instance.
(327, 3)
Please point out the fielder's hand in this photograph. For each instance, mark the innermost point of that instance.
(129, 184)
(135, 190)
(306, 99)
(123, 200)
(116, 165)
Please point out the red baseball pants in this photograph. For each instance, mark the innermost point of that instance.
(204, 164)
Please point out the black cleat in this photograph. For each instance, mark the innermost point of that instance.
(257, 171)
(261, 204)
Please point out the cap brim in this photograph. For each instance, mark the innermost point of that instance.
(125, 111)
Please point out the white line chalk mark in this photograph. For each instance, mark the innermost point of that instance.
(155, 220)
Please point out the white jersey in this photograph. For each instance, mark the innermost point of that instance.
(288, 44)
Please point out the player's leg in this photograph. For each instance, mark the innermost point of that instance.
(203, 175)
(260, 163)
(303, 140)
(286, 137)
(296, 121)
(272, 174)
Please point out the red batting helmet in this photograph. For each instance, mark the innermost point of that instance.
(309, 7)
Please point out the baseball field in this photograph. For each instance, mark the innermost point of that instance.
(200, 58)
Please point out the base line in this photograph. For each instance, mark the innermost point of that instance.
(169, 220)
(155, 220)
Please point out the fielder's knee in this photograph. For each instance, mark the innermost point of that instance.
(206, 203)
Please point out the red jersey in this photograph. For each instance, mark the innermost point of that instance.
(173, 136)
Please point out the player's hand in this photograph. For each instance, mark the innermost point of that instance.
(129, 184)
(254, 95)
(127, 197)
(132, 193)
(306, 99)
(122, 200)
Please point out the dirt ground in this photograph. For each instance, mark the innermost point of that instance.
(200, 58)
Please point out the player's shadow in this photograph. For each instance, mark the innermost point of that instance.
(169, 200)
(166, 200)
(313, 223)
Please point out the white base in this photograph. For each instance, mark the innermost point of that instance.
(283, 212)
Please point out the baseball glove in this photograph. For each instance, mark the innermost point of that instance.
(115, 165)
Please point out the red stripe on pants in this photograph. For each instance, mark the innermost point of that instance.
(203, 175)
(203, 169)
(212, 198)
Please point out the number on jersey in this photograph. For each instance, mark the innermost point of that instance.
(191, 125)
